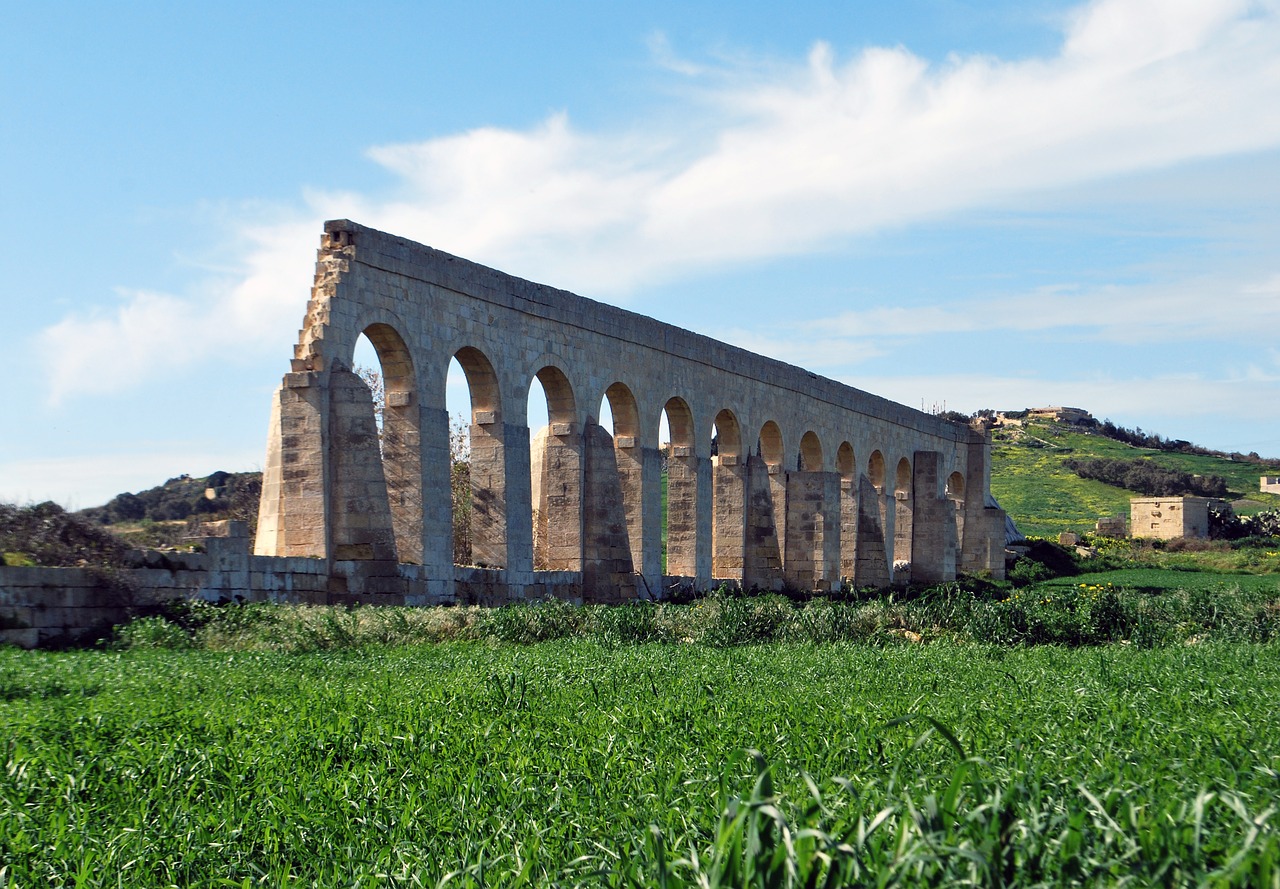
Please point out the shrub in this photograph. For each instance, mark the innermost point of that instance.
(150, 632)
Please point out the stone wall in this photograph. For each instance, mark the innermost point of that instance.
(1269, 484)
(781, 501)
(42, 607)
(1167, 518)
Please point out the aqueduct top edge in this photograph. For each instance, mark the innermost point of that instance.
(401, 256)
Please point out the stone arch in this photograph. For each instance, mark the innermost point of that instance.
(875, 469)
(955, 495)
(482, 385)
(902, 477)
(728, 434)
(614, 508)
(846, 463)
(681, 520)
(770, 445)
(679, 422)
(480, 531)
(728, 498)
(555, 474)
(562, 406)
(847, 468)
(904, 512)
(766, 511)
(401, 437)
(810, 452)
(626, 415)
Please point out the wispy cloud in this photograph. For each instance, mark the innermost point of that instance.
(1178, 310)
(759, 162)
(257, 306)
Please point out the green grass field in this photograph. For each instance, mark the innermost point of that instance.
(1103, 728)
(579, 763)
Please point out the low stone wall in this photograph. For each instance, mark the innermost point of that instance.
(47, 607)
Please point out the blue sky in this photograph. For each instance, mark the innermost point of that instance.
(948, 203)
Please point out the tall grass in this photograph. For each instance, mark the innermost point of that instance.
(1073, 611)
(576, 763)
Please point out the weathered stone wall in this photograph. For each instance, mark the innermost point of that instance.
(1269, 484)
(40, 607)
(782, 501)
(1167, 518)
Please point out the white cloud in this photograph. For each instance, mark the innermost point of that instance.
(259, 306)
(1201, 309)
(782, 161)
(759, 162)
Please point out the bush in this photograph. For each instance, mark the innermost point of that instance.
(150, 632)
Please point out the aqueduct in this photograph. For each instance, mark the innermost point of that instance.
(773, 476)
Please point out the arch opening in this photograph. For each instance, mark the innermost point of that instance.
(847, 467)
(903, 527)
(875, 470)
(382, 361)
(615, 501)
(902, 477)
(555, 463)
(846, 464)
(769, 445)
(810, 453)
(477, 463)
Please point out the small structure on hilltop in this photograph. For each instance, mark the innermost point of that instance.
(1073, 415)
(1270, 484)
(1166, 518)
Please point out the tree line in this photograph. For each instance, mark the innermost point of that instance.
(1145, 477)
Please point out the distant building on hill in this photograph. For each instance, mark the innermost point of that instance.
(1166, 518)
(1270, 484)
(1073, 415)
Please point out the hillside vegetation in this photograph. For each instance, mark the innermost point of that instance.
(1033, 482)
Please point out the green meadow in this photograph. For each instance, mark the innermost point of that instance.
(279, 747)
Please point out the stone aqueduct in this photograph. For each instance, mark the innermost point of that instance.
(775, 476)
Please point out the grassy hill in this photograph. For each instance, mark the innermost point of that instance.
(1030, 479)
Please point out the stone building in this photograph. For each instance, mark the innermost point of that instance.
(1073, 415)
(1269, 484)
(1167, 518)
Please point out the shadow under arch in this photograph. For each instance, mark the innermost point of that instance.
(903, 521)
(875, 470)
(847, 468)
(613, 508)
(846, 463)
(480, 521)
(400, 437)
(769, 446)
(555, 474)
(766, 511)
(810, 452)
